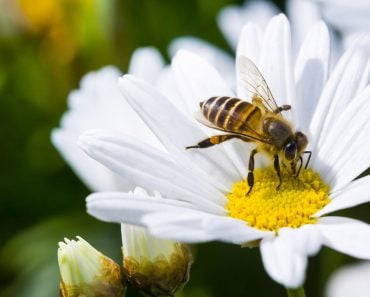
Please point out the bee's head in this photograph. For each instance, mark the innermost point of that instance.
(295, 147)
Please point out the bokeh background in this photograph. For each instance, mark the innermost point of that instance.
(46, 46)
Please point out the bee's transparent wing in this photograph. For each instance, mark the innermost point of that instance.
(201, 119)
(254, 83)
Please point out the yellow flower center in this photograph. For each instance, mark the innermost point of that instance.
(268, 208)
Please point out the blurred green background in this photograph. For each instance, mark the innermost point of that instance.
(46, 46)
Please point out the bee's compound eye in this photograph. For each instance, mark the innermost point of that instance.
(290, 150)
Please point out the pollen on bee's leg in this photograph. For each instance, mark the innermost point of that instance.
(270, 206)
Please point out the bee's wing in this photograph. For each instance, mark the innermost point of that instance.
(201, 119)
(251, 135)
(254, 83)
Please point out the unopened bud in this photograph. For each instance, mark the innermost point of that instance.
(87, 272)
(156, 267)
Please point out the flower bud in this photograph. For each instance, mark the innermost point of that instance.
(156, 267)
(87, 272)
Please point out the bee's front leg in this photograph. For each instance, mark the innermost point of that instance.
(277, 169)
(293, 167)
(308, 159)
(250, 177)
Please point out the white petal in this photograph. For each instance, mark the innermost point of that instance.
(215, 56)
(146, 63)
(197, 80)
(345, 235)
(310, 74)
(346, 15)
(303, 14)
(166, 84)
(351, 155)
(249, 45)
(181, 226)
(151, 169)
(232, 18)
(348, 78)
(357, 192)
(96, 176)
(305, 239)
(350, 280)
(250, 42)
(276, 60)
(97, 104)
(122, 207)
(283, 259)
(169, 218)
(175, 131)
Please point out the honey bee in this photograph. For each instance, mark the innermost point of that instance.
(260, 122)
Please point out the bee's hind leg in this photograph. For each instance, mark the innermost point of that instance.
(277, 169)
(250, 177)
(213, 140)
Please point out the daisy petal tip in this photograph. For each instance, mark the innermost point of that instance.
(121, 79)
(92, 197)
(322, 27)
(181, 53)
(281, 19)
(55, 136)
(183, 56)
(95, 204)
(126, 80)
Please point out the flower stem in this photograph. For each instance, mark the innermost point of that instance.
(299, 292)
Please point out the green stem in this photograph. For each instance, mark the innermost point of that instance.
(296, 292)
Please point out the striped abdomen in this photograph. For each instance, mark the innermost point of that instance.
(232, 114)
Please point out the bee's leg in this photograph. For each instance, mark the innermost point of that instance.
(293, 167)
(308, 159)
(250, 177)
(300, 166)
(277, 169)
(213, 140)
(282, 108)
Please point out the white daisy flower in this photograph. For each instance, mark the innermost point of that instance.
(87, 272)
(350, 280)
(204, 191)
